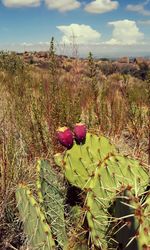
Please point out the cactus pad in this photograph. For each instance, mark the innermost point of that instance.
(81, 161)
(52, 194)
(116, 174)
(37, 230)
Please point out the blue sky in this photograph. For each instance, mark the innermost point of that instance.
(105, 27)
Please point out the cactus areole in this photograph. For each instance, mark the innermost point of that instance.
(65, 137)
(80, 133)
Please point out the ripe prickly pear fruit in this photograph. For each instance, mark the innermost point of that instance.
(65, 137)
(80, 133)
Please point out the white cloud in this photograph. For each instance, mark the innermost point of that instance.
(26, 44)
(21, 3)
(101, 6)
(62, 5)
(79, 33)
(140, 8)
(125, 32)
(44, 43)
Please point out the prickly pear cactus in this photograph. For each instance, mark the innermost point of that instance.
(117, 200)
(131, 228)
(142, 215)
(81, 161)
(115, 174)
(52, 195)
(35, 226)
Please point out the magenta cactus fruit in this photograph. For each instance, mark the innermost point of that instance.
(65, 137)
(80, 133)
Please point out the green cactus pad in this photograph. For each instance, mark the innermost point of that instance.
(37, 230)
(131, 225)
(81, 161)
(115, 174)
(52, 194)
(58, 159)
(143, 236)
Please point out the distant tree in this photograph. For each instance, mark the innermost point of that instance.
(31, 60)
(143, 70)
